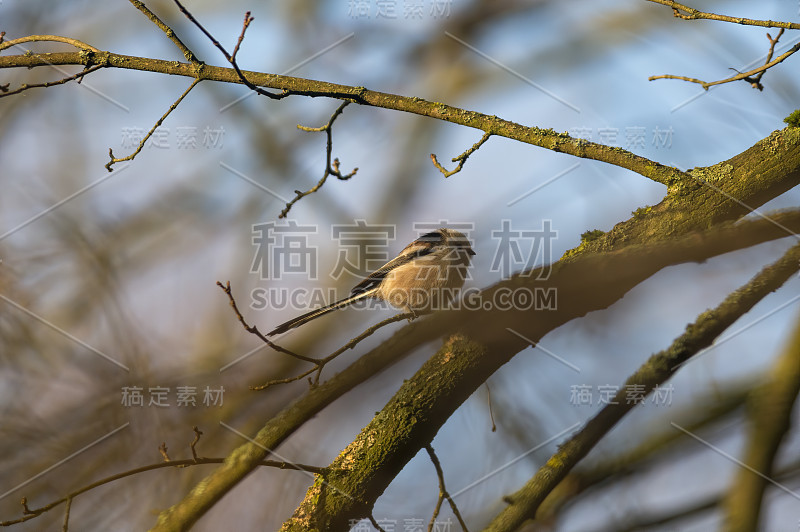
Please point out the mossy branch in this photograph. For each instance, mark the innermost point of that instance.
(490, 125)
(660, 367)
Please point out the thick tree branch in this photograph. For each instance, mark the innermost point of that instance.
(394, 436)
(656, 370)
(411, 419)
(718, 407)
(619, 271)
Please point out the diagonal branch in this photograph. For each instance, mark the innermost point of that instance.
(443, 494)
(232, 57)
(115, 160)
(689, 13)
(170, 33)
(253, 329)
(545, 138)
(616, 270)
(657, 370)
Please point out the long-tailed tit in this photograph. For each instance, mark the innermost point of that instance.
(421, 278)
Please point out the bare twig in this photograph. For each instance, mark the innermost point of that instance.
(375, 524)
(442, 493)
(80, 45)
(26, 86)
(287, 380)
(67, 508)
(163, 450)
(160, 121)
(688, 13)
(197, 434)
(29, 514)
(461, 159)
(331, 167)
(254, 329)
(4, 91)
(232, 57)
(755, 81)
(489, 403)
(167, 30)
(753, 76)
(349, 345)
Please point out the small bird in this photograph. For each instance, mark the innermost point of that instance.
(421, 278)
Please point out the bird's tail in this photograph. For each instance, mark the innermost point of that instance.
(314, 314)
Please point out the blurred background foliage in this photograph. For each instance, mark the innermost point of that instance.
(129, 266)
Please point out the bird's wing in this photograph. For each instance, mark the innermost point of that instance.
(419, 248)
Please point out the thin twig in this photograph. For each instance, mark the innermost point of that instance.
(755, 82)
(254, 329)
(331, 167)
(80, 45)
(163, 450)
(287, 380)
(375, 523)
(489, 403)
(65, 526)
(5, 92)
(461, 159)
(688, 13)
(349, 345)
(170, 33)
(160, 121)
(747, 76)
(442, 493)
(197, 434)
(29, 514)
(232, 57)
